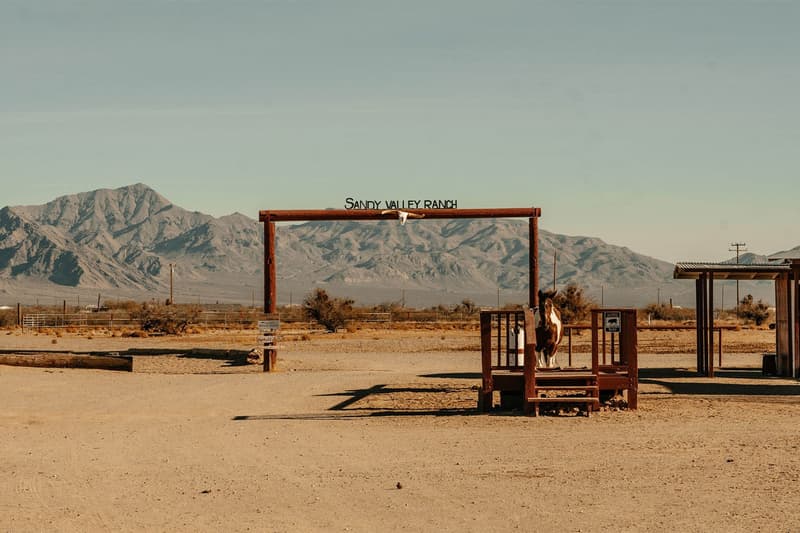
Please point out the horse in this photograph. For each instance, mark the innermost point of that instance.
(549, 330)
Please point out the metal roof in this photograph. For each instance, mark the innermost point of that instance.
(768, 271)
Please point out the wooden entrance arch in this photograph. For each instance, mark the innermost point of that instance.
(270, 217)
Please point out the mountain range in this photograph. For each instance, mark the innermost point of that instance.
(123, 242)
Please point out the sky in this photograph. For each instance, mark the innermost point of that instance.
(669, 127)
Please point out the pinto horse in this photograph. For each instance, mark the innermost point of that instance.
(549, 330)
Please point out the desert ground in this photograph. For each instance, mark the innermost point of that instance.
(377, 430)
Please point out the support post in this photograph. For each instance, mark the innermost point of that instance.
(710, 311)
(631, 351)
(19, 314)
(270, 298)
(529, 368)
(533, 283)
(487, 386)
(700, 315)
(794, 328)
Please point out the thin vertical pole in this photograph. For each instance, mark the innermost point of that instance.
(499, 342)
(613, 343)
(699, 318)
(710, 354)
(533, 262)
(508, 339)
(569, 346)
(555, 263)
(604, 341)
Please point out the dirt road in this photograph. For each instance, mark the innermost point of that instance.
(386, 438)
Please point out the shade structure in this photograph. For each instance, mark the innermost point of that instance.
(786, 275)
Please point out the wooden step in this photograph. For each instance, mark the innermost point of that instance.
(566, 387)
(565, 399)
(564, 376)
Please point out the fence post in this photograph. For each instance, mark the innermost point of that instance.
(19, 314)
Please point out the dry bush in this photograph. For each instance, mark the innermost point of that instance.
(8, 319)
(665, 312)
(573, 304)
(129, 306)
(756, 312)
(331, 313)
(168, 320)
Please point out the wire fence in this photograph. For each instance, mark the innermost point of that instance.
(244, 318)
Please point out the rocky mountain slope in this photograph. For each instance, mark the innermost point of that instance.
(123, 240)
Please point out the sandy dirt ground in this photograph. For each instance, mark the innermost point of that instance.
(377, 431)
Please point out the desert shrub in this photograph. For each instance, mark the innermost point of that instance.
(331, 313)
(8, 319)
(466, 307)
(752, 311)
(573, 304)
(387, 307)
(169, 320)
(665, 312)
(123, 305)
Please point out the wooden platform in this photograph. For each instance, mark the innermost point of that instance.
(569, 386)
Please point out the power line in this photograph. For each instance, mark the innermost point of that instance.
(737, 247)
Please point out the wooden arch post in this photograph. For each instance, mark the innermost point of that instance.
(270, 276)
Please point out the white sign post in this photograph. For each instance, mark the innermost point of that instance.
(267, 330)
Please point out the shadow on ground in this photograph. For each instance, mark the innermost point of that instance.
(345, 410)
(229, 358)
(687, 382)
(454, 375)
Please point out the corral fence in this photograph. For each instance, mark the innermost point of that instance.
(241, 318)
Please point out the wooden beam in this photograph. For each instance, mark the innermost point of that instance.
(67, 360)
(302, 215)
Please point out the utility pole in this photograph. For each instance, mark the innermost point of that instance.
(171, 270)
(737, 247)
(555, 256)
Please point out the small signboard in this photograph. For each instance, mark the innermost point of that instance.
(611, 321)
(268, 325)
(267, 339)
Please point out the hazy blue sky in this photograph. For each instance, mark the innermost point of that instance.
(669, 127)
